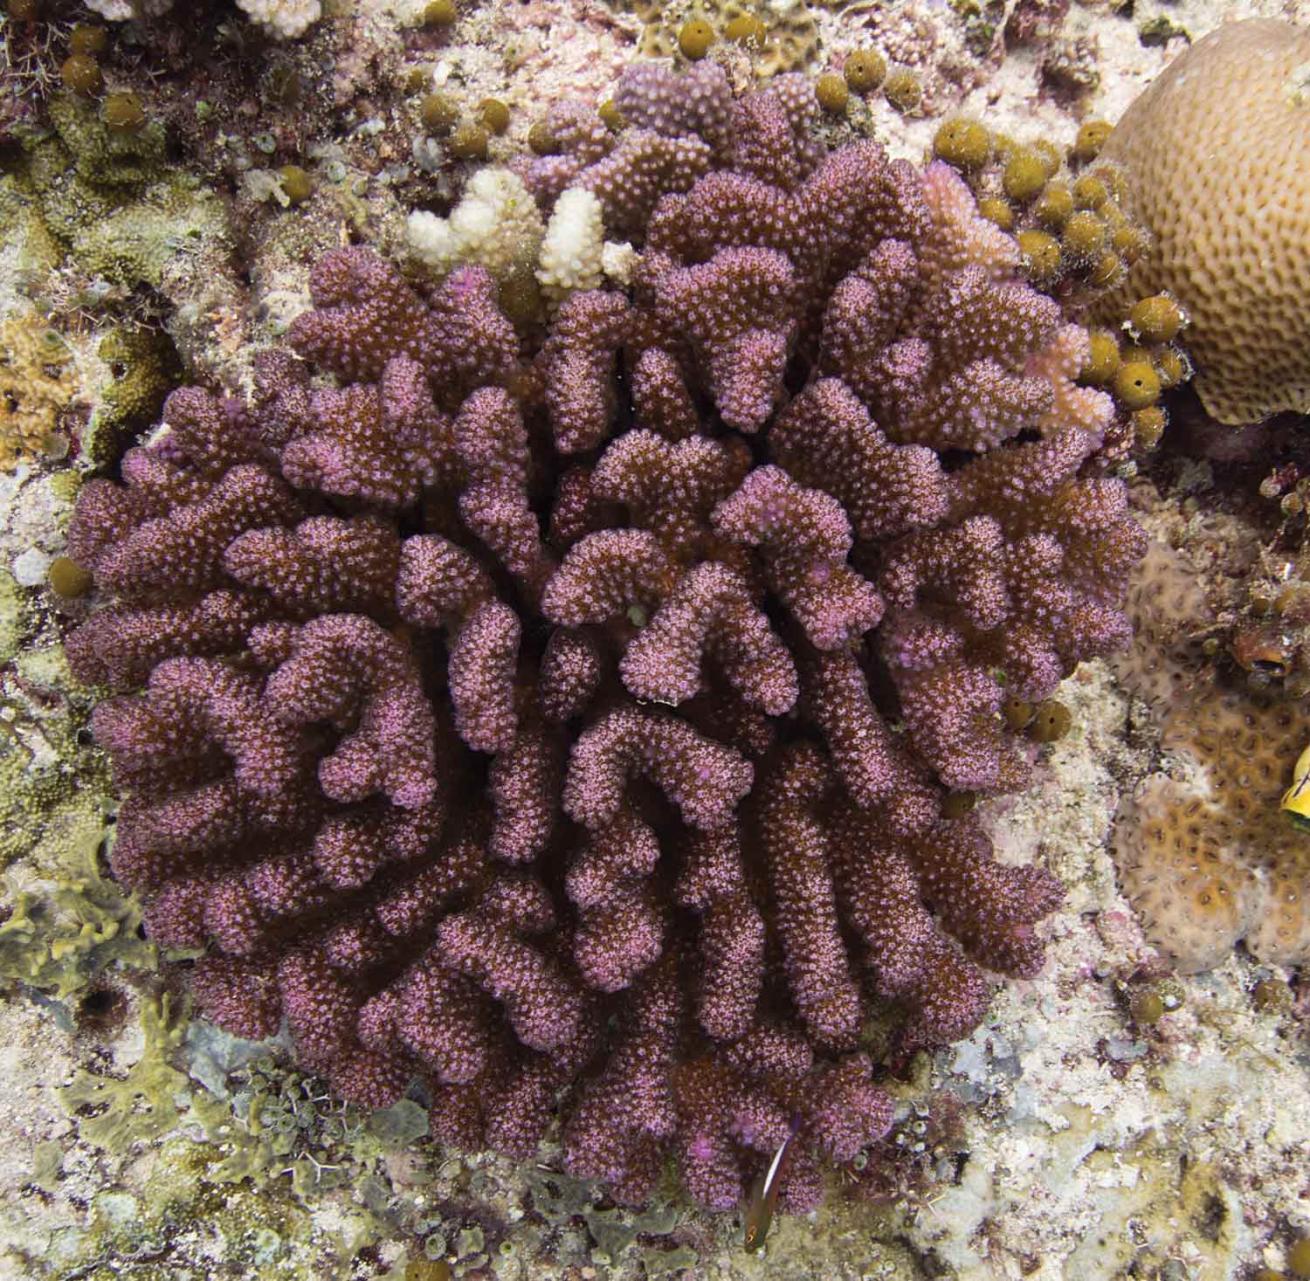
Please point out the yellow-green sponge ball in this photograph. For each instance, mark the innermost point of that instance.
(1146, 1007)
(831, 91)
(469, 142)
(1024, 175)
(82, 74)
(439, 112)
(1102, 358)
(1148, 426)
(1054, 206)
(1108, 270)
(1050, 722)
(1049, 154)
(439, 13)
(123, 112)
(1090, 192)
(297, 185)
(1016, 712)
(1136, 384)
(1171, 366)
(84, 38)
(998, 210)
(695, 39)
(1084, 236)
(495, 114)
(542, 140)
(746, 29)
(1128, 241)
(1156, 319)
(1091, 138)
(1041, 254)
(67, 578)
(864, 70)
(1298, 1258)
(966, 144)
(903, 90)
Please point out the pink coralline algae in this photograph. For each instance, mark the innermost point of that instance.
(562, 715)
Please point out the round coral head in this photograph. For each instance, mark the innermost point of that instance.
(1214, 151)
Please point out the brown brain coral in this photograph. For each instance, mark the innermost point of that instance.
(1204, 853)
(1215, 150)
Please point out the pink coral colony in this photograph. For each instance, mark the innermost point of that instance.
(563, 713)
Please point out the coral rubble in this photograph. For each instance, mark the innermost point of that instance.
(564, 713)
(282, 19)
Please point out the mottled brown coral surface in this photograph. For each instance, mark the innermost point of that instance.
(1205, 854)
(562, 715)
(1215, 150)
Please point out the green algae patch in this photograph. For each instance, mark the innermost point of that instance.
(105, 205)
(68, 919)
(28, 251)
(15, 617)
(142, 370)
(104, 156)
(58, 938)
(270, 1125)
(179, 1218)
(1172, 1200)
(138, 243)
(47, 1162)
(142, 1105)
(396, 1127)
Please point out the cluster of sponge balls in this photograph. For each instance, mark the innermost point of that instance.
(1068, 212)
(1214, 151)
(1199, 194)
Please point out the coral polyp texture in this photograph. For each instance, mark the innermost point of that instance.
(1227, 201)
(564, 714)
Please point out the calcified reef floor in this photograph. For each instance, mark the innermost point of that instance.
(1061, 1140)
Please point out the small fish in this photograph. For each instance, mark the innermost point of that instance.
(1296, 800)
(759, 1214)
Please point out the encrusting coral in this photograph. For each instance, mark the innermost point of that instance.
(1204, 852)
(36, 386)
(564, 714)
(1213, 150)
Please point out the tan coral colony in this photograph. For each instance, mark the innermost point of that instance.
(1216, 149)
